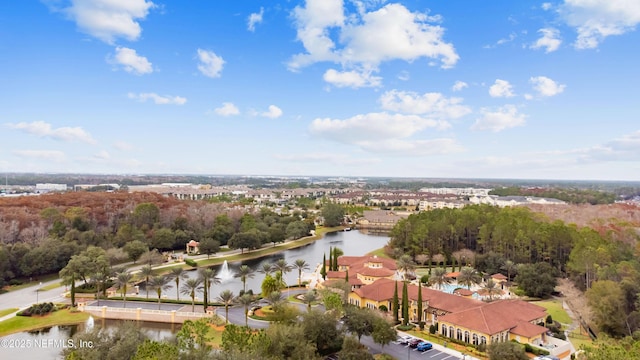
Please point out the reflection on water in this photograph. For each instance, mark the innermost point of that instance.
(48, 343)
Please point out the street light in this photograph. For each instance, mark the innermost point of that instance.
(38, 292)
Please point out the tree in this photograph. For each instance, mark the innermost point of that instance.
(209, 246)
(420, 306)
(468, 277)
(190, 288)
(177, 274)
(123, 280)
(159, 283)
(333, 214)
(274, 298)
(151, 257)
(192, 338)
(405, 304)
(145, 215)
(439, 277)
(155, 350)
(209, 278)
(395, 303)
(163, 239)
(510, 267)
(226, 297)
(244, 273)
(332, 301)
(297, 229)
(323, 269)
(281, 267)
(135, 249)
(300, 265)
(537, 280)
(322, 330)
(266, 268)
(237, 338)
(269, 285)
(506, 351)
(245, 240)
(491, 287)
(309, 298)
(607, 302)
(383, 332)
(146, 272)
(406, 265)
(353, 350)
(360, 321)
(246, 300)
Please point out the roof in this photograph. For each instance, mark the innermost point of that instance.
(375, 272)
(361, 261)
(528, 330)
(463, 292)
(193, 243)
(382, 290)
(454, 274)
(498, 276)
(497, 316)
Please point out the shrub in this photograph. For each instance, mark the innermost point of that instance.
(383, 308)
(14, 282)
(433, 329)
(424, 279)
(549, 319)
(405, 327)
(191, 262)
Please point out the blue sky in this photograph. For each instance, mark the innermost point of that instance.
(465, 89)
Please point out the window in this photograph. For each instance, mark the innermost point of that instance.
(451, 333)
(483, 340)
(459, 335)
(475, 339)
(444, 330)
(466, 336)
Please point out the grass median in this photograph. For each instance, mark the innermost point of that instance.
(26, 323)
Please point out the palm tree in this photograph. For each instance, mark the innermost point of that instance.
(308, 298)
(226, 297)
(406, 265)
(246, 300)
(281, 268)
(176, 274)
(244, 273)
(274, 298)
(439, 277)
(300, 265)
(491, 287)
(209, 278)
(510, 267)
(123, 280)
(469, 276)
(159, 283)
(266, 268)
(190, 287)
(146, 272)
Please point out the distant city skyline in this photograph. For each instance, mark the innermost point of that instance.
(354, 88)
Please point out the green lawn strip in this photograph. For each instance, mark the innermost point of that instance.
(379, 252)
(25, 323)
(51, 286)
(28, 283)
(214, 337)
(579, 338)
(8, 311)
(555, 309)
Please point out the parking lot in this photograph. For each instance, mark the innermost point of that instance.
(404, 351)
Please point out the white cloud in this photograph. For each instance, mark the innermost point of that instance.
(364, 39)
(253, 19)
(413, 147)
(546, 6)
(102, 155)
(274, 112)
(157, 99)
(227, 109)
(625, 148)
(108, 20)
(550, 40)
(43, 129)
(594, 20)
(122, 146)
(545, 86)
(372, 127)
(404, 75)
(501, 88)
(459, 85)
(353, 78)
(210, 64)
(321, 157)
(49, 155)
(433, 105)
(497, 120)
(502, 41)
(131, 61)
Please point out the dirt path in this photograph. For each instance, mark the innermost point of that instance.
(575, 298)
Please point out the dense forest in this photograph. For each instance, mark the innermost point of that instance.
(570, 195)
(38, 235)
(603, 262)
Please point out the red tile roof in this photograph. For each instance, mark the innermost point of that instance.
(498, 277)
(528, 330)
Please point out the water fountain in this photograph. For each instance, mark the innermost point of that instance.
(89, 324)
(225, 274)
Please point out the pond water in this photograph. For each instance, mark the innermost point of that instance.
(352, 243)
(48, 343)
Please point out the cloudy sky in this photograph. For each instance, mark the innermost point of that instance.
(465, 89)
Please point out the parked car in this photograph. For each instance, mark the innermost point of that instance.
(413, 343)
(404, 340)
(424, 346)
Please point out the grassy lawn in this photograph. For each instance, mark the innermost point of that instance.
(24, 323)
(215, 336)
(554, 308)
(578, 338)
(32, 283)
(7, 311)
(51, 286)
(379, 253)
